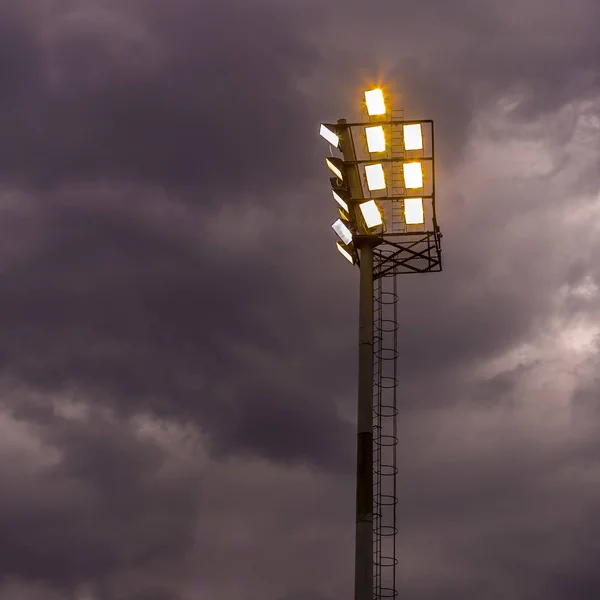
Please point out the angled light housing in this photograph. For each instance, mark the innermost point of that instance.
(375, 177)
(413, 211)
(375, 139)
(330, 135)
(413, 175)
(371, 214)
(341, 187)
(336, 166)
(413, 138)
(348, 220)
(337, 197)
(345, 217)
(375, 103)
(347, 251)
(343, 232)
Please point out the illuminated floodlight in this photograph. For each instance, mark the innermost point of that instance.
(413, 211)
(375, 139)
(371, 214)
(343, 232)
(346, 250)
(330, 136)
(335, 165)
(374, 102)
(375, 177)
(413, 138)
(340, 200)
(413, 175)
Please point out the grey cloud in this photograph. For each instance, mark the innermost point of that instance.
(103, 508)
(182, 96)
(133, 312)
(106, 510)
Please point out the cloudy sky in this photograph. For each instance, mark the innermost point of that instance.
(178, 333)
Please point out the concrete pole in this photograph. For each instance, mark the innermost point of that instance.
(363, 561)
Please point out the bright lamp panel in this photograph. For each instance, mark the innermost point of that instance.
(330, 136)
(375, 177)
(344, 253)
(375, 139)
(374, 102)
(371, 214)
(339, 200)
(413, 211)
(413, 175)
(413, 138)
(334, 169)
(343, 232)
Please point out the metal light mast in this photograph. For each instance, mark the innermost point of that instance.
(387, 225)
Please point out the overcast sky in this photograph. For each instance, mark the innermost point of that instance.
(179, 336)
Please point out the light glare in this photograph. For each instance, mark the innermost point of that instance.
(375, 177)
(375, 103)
(344, 253)
(413, 211)
(334, 169)
(343, 232)
(413, 175)
(413, 138)
(375, 139)
(337, 198)
(371, 214)
(330, 136)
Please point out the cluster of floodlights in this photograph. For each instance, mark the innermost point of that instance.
(369, 221)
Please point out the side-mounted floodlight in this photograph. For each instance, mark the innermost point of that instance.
(330, 135)
(375, 138)
(413, 138)
(375, 103)
(336, 166)
(375, 177)
(348, 252)
(413, 175)
(371, 214)
(413, 211)
(342, 230)
(337, 196)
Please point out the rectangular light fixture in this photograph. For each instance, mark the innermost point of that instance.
(340, 201)
(345, 251)
(413, 211)
(343, 232)
(375, 103)
(375, 177)
(413, 175)
(330, 136)
(335, 165)
(413, 138)
(375, 139)
(371, 214)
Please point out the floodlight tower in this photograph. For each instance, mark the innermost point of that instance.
(387, 226)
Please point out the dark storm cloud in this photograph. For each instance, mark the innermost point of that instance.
(156, 94)
(103, 505)
(130, 312)
(181, 95)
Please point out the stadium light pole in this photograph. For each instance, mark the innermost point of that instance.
(391, 232)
